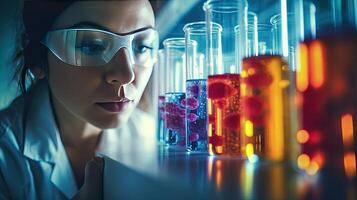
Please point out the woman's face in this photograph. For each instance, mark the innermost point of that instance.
(99, 94)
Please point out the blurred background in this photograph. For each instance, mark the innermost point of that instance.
(8, 21)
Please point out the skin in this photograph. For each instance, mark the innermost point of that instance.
(75, 91)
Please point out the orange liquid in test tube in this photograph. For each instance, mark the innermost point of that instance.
(267, 95)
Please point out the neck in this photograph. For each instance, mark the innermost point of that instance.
(78, 135)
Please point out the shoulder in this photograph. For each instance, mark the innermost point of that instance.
(11, 130)
(11, 136)
(12, 161)
(12, 119)
(11, 122)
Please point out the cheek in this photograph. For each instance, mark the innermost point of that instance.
(142, 78)
(69, 83)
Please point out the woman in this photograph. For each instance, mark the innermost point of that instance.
(91, 61)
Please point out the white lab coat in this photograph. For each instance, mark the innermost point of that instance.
(33, 161)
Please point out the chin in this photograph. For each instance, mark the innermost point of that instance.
(111, 122)
(104, 120)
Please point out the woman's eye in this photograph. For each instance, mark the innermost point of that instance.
(142, 49)
(92, 48)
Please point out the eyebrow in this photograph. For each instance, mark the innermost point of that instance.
(87, 24)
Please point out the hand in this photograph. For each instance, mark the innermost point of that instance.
(93, 181)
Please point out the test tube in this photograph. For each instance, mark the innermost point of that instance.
(284, 37)
(175, 94)
(306, 20)
(196, 86)
(228, 14)
(224, 79)
(251, 35)
(326, 84)
(266, 93)
(265, 119)
(264, 39)
(159, 74)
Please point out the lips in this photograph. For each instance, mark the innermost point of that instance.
(114, 106)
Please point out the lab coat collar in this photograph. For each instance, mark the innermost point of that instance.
(42, 140)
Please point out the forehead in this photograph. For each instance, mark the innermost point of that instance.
(117, 16)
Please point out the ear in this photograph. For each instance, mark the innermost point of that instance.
(38, 72)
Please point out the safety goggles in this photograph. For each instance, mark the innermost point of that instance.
(85, 47)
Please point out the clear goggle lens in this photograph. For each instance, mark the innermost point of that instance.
(94, 47)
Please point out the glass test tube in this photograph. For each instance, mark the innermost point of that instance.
(224, 79)
(264, 39)
(284, 37)
(196, 86)
(326, 83)
(159, 72)
(175, 94)
(306, 20)
(228, 14)
(265, 119)
(251, 35)
(266, 95)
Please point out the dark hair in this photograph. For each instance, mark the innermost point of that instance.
(36, 18)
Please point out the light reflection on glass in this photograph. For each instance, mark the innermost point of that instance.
(247, 180)
(350, 164)
(302, 74)
(303, 161)
(302, 136)
(313, 168)
(347, 129)
(218, 166)
(210, 168)
(318, 71)
(349, 157)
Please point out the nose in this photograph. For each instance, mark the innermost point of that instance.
(120, 70)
